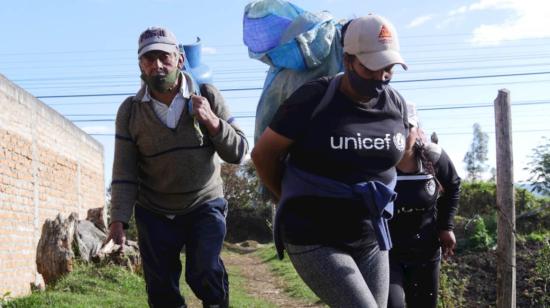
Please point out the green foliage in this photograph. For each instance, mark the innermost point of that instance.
(5, 298)
(476, 158)
(113, 286)
(477, 198)
(237, 290)
(526, 200)
(480, 238)
(540, 279)
(132, 232)
(90, 286)
(239, 183)
(451, 287)
(539, 168)
(249, 214)
(539, 236)
(238, 297)
(283, 268)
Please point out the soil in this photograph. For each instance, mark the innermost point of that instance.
(260, 281)
(478, 267)
(480, 270)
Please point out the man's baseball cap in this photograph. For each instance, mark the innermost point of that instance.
(157, 38)
(373, 40)
(412, 114)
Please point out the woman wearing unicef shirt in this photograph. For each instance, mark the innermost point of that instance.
(337, 141)
(428, 189)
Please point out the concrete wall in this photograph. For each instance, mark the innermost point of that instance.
(47, 166)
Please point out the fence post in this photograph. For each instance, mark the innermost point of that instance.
(506, 242)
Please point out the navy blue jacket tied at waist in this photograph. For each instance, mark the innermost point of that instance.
(376, 196)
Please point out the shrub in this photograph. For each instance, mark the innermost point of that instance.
(540, 279)
(479, 237)
(477, 198)
(451, 287)
(249, 215)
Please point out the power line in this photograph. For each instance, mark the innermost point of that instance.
(112, 120)
(206, 45)
(258, 88)
(520, 131)
(246, 115)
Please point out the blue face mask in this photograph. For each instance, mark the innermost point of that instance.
(366, 87)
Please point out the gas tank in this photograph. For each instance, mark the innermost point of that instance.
(193, 62)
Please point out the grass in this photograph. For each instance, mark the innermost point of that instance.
(294, 285)
(90, 286)
(237, 295)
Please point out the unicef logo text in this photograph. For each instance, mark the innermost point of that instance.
(367, 143)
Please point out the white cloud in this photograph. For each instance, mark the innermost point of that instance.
(528, 19)
(460, 10)
(419, 21)
(209, 50)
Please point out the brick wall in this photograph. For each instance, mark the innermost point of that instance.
(47, 166)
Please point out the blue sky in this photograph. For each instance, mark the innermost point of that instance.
(56, 48)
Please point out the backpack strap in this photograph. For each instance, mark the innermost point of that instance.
(395, 96)
(329, 94)
(195, 89)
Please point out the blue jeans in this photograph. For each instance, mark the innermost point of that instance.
(161, 240)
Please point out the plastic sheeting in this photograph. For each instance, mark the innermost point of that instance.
(299, 46)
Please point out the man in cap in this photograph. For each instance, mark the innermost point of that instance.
(166, 169)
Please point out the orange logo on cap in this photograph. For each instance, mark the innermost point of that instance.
(385, 35)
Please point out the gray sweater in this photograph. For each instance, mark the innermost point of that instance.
(170, 171)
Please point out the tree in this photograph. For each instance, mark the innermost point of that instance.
(476, 157)
(249, 216)
(540, 168)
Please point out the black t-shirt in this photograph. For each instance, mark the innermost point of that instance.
(347, 142)
(421, 211)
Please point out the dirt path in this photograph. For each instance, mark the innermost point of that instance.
(260, 281)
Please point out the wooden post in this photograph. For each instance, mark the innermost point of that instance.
(506, 242)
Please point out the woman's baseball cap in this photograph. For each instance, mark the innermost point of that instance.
(373, 40)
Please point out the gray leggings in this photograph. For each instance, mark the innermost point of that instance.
(341, 279)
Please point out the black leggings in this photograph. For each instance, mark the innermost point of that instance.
(415, 284)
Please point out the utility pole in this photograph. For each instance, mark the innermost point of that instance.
(506, 241)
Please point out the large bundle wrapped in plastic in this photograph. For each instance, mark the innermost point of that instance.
(299, 46)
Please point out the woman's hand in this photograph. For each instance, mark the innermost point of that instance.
(267, 155)
(448, 242)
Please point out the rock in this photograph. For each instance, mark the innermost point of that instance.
(242, 248)
(54, 255)
(89, 240)
(112, 253)
(62, 240)
(249, 243)
(96, 216)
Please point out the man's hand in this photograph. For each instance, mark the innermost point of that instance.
(448, 242)
(204, 114)
(116, 233)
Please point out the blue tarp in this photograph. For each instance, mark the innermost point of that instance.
(299, 46)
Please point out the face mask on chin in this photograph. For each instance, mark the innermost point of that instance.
(162, 83)
(369, 88)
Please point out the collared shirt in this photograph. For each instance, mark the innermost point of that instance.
(170, 114)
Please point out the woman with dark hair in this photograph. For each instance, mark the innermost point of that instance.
(337, 141)
(428, 190)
